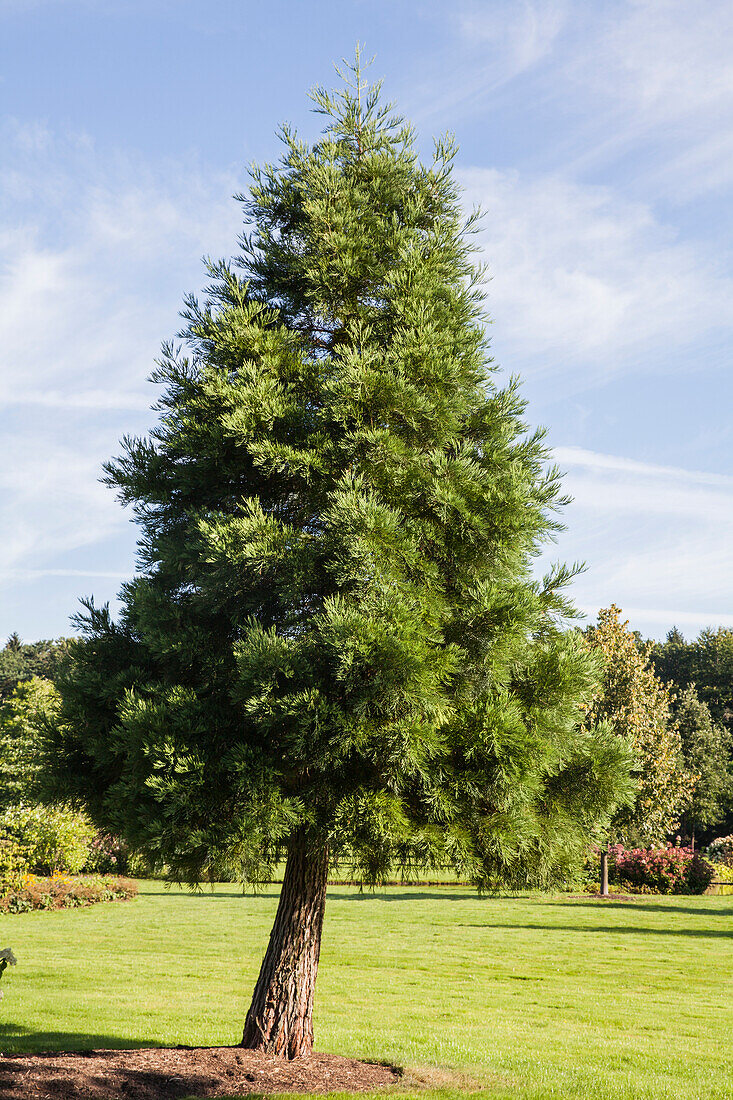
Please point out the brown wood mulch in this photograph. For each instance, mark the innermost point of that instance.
(172, 1073)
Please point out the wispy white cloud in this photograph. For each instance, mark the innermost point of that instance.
(118, 400)
(657, 85)
(94, 259)
(649, 80)
(666, 60)
(95, 255)
(585, 281)
(580, 457)
(51, 502)
(521, 33)
(486, 47)
(657, 539)
(652, 618)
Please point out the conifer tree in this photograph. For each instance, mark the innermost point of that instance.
(706, 662)
(334, 648)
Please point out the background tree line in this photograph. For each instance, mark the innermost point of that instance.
(700, 673)
(674, 700)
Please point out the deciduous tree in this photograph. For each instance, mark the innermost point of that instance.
(23, 715)
(637, 705)
(707, 752)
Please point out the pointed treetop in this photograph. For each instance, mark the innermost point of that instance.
(355, 108)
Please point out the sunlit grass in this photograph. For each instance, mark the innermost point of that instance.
(531, 997)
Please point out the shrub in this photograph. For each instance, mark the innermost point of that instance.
(108, 855)
(720, 850)
(65, 892)
(723, 872)
(700, 874)
(660, 870)
(142, 866)
(13, 864)
(48, 838)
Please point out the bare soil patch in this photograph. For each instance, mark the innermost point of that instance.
(172, 1073)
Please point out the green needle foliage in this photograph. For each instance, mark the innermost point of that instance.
(334, 629)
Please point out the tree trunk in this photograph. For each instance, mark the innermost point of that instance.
(280, 1018)
(604, 872)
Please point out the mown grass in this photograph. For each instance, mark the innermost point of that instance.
(529, 997)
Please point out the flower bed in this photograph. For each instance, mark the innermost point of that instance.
(64, 892)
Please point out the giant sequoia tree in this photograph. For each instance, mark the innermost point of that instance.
(334, 648)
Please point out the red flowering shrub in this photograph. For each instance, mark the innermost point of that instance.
(660, 870)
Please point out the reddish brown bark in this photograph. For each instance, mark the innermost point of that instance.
(280, 1018)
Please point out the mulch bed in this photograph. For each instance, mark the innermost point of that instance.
(170, 1073)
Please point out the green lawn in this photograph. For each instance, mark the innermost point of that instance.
(532, 997)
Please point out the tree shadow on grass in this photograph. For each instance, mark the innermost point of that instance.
(271, 891)
(421, 894)
(611, 929)
(17, 1039)
(334, 893)
(653, 907)
(267, 893)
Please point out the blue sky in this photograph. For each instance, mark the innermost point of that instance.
(597, 137)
